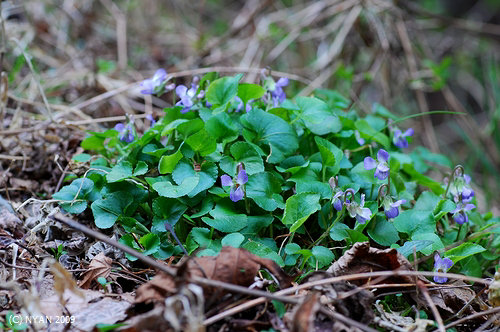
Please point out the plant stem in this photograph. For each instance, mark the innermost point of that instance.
(458, 234)
(327, 232)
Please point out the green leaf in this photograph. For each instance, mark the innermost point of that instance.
(93, 143)
(339, 232)
(201, 236)
(81, 158)
(120, 172)
(166, 210)
(331, 155)
(437, 244)
(265, 189)
(207, 176)
(151, 243)
(323, 255)
(222, 127)
(75, 195)
(245, 153)
(167, 189)
(168, 163)
(264, 251)
(202, 142)
(463, 251)
(273, 130)
(247, 91)
(107, 210)
(367, 132)
(233, 240)
(382, 111)
(419, 219)
(225, 219)
(141, 168)
(317, 187)
(383, 232)
(443, 207)
(292, 164)
(223, 90)
(424, 180)
(407, 249)
(317, 116)
(298, 208)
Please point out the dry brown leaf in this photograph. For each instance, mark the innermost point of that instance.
(451, 300)
(494, 291)
(362, 258)
(100, 266)
(231, 265)
(63, 280)
(358, 306)
(305, 313)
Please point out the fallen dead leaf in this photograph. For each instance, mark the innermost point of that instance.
(357, 306)
(363, 258)
(494, 291)
(305, 314)
(232, 265)
(63, 280)
(100, 266)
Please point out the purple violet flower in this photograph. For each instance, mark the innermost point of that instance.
(359, 139)
(441, 265)
(277, 93)
(459, 214)
(337, 202)
(391, 208)
(382, 168)
(126, 132)
(151, 85)
(358, 211)
(399, 138)
(186, 95)
(338, 195)
(460, 188)
(240, 104)
(236, 184)
(151, 119)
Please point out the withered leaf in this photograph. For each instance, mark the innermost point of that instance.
(63, 280)
(100, 266)
(305, 313)
(231, 265)
(362, 258)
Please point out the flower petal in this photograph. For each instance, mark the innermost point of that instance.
(408, 132)
(282, 82)
(440, 280)
(393, 212)
(447, 263)
(119, 127)
(242, 177)
(236, 195)
(437, 260)
(398, 203)
(370, 163)
(160, 75)
(460, 218)
(226, 180)
(382, 156)
(469, 207)
(381, 175)
(180, 90)
(337, 204)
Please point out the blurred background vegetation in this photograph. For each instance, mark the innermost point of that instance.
(409, 56)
